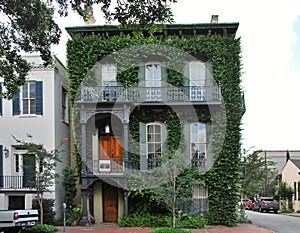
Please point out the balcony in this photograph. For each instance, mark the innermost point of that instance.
(194, 94)
(105, 166)
(16, 182)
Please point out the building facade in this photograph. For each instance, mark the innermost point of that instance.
(279, 157)
(40, 110)
(291, 175)
(140, 95)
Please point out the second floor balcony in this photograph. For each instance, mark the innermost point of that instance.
(17, 182)
(194, 94)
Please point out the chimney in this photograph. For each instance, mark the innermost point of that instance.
(214, 19)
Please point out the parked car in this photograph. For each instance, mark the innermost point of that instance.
(266, 204)
(249, 205)
(243, 203)
(11, 221)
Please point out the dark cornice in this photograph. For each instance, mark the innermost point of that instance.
(169, 30)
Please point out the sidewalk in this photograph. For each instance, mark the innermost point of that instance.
(110, 228)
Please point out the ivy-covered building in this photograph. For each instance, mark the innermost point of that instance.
(141, 94)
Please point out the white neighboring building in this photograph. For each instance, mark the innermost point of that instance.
(40, 110)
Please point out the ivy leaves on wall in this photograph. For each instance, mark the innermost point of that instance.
(224, 54)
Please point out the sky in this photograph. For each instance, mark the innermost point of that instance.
(270, 41)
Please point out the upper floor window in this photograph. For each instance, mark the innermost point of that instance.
(65, 106)
(198, 144)
(153, 75)
(154, 144)
(30, 100)
(109, 81)
(108, 72)
(197, 73)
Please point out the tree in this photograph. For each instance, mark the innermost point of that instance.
(260, 176)
(285, 193)
(69, 183)
(45, 169)
(28, 26)
(170, 185)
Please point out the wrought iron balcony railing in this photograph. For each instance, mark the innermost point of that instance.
(151, 94)
(105, 166)
(17, 182)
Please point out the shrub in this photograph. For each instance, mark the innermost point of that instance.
(39, 228)
(146, 220)
(171, 230)
(74, 215)
(48, 205)
(188, 221)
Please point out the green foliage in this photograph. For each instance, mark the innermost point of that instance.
(138, 12)
(48, 213)
(146, 220)
(285, 192)
(39, 228)
(74, 215)
(44, 172)
(171, 230)
(19, 33)
(263, 180)
(190, 222)
(157, 220)
(69, 183)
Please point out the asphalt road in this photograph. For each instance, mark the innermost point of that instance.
(278, 223)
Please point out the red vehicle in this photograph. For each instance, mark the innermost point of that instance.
(249, 205)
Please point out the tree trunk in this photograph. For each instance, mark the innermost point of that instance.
(174, 202)
(40, 201)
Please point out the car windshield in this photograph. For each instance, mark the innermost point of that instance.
(267, 199)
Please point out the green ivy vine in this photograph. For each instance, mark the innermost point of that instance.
(223, 51)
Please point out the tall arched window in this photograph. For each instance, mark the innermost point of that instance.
(154, 144)
(198, 144)
(153, 81)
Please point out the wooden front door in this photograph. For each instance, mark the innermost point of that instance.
(110, 203)
(110, 149)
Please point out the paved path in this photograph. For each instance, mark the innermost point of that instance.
(107, 228)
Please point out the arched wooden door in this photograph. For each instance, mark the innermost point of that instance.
(110, 203)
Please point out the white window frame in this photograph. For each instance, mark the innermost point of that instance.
(153, 81)
(200, 192)
(156, 144)
(197, 80)
(198, 140)
(28, 98)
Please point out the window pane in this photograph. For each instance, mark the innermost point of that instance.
(109, 72)
(25, 90)
(32, 106)
(32, 90)
(150, 129)
(25, 106)
(197, 70)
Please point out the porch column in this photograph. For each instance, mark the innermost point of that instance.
(125, 203)
(126, 161)
(126, 164)
(84, 218)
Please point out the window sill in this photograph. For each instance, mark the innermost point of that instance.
(28, 116)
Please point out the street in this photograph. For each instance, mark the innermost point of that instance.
(278, 223)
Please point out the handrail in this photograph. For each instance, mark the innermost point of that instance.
(150, 94)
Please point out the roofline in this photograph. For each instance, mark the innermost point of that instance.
(277, 151)
(169, 29)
